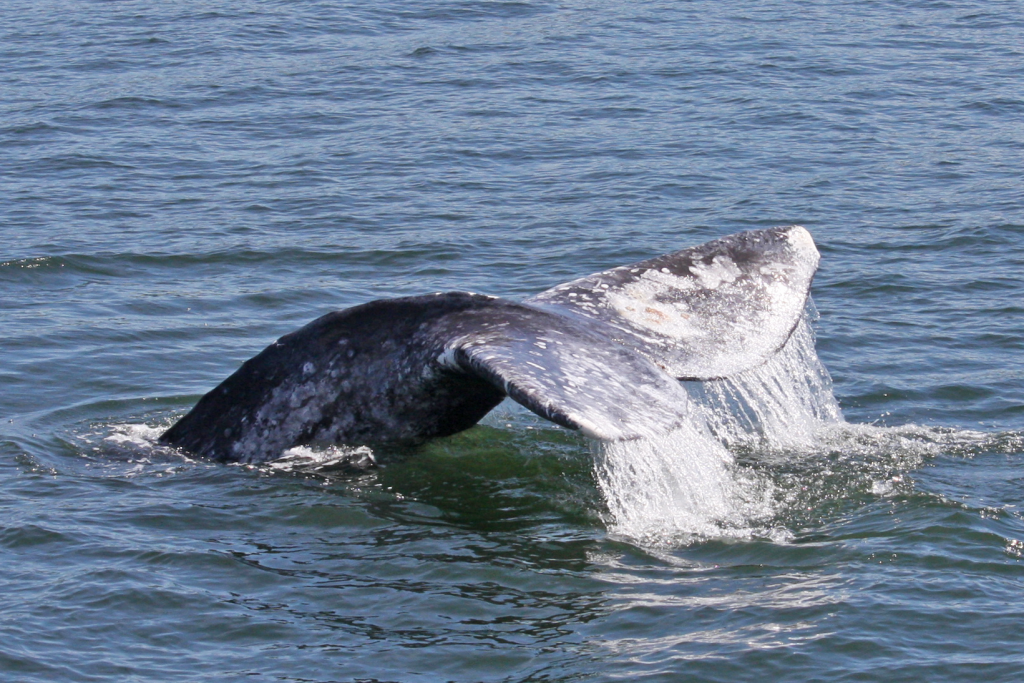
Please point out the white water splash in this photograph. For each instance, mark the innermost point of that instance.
(133, 437)
(128, 450)
(784, 403)
(687, 485)
(325, 459)
(664, 490)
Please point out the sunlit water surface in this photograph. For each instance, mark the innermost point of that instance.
(183, 183)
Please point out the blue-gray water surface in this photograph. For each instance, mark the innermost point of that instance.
(182, 183)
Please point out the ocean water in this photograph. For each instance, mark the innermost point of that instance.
(180, 184)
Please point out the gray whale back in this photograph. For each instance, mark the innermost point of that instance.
(600, 354)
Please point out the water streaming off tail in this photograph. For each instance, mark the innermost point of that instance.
(665, 489)
(687, 483)
(783, 403)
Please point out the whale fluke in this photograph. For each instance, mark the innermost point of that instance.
(702, 313)
(601, 354)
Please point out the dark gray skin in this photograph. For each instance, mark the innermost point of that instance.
(417, 368)
(373, 358)
(601, 354)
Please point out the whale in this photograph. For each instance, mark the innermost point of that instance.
(604, 354)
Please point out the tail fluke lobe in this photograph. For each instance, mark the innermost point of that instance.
(571, 373)
(707, 312)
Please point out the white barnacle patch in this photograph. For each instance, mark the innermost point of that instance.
(308, 369)
(722, 269)
(647, 304)
(301, 395)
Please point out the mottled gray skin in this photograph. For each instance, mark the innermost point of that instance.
(416, 368)
(734, 324)
(368, 373)
(422, 367)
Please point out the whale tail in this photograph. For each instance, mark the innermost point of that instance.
(706, 312)
(601, 354)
